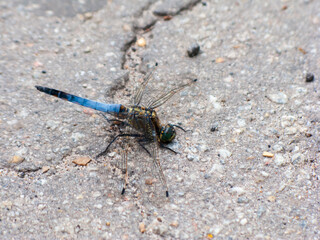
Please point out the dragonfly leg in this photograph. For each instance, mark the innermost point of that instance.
(120, 135)
(112, 120)
(179, 127)
(104, 116)
(142, 143)
(165, 147)
(125, 154)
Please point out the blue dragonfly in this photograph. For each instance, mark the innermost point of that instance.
(149, 131)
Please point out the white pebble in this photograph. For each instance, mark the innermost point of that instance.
(278, 97)
(280, 160)
(243, 221)
(224, 153)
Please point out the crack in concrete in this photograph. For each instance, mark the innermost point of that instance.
(127, 45)
(148, 26)
(187, 6)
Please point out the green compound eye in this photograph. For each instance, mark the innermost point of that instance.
(167, 133)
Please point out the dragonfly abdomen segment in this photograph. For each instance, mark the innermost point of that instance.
(103, 107)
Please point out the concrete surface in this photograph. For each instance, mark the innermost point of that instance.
(247, 169)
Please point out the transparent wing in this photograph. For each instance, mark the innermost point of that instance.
(138, 96)
(135, 162)
(153, 182)
(166, 96)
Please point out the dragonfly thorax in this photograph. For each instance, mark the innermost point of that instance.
(167, 133)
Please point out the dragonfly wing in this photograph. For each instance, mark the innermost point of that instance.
(138, 96)
(153, 181)
(166, 96)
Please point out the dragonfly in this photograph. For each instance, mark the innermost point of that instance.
(143, 119)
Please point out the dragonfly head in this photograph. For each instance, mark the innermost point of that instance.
(167, 133)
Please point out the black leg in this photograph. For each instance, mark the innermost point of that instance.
(112, 121)
(143, 142)
(120, 135)
(125, 155)
(165, 147)
(179, 127)
(104, 116)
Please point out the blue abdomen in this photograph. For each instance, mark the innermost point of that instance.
(103, 107)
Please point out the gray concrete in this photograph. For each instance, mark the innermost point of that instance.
(251, 97)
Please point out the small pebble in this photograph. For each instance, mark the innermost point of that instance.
(45, 169)
(280, 160)
(76, 136)
(267, 154)
(308, 135)
(98, 206)
(264, 174)
(278, 97)
(243, 221)
(96, 194)
(261, 211)
(141, 42)
(271, 199)
(207, 176)
(219, 60)
(242, 200)
(87, 50)
(41, 206)
(160, 230)
(17, 159)
(241, 122)
(309, 77)
(149, 181)
(216, 229)
(217, 169)
(174, 224)
(88, 15)
(297, 158)
(82, 161)
(37, 64)
(126, 27)
(239, 190)
(278, 148)
(193, 50)
(291, 131)
(224, 153)
(214, 127)
(287, 121)
(181, 194)
(6, 204)
(50, 124)
(21, 175)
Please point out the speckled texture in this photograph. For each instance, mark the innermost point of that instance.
(251, 97)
